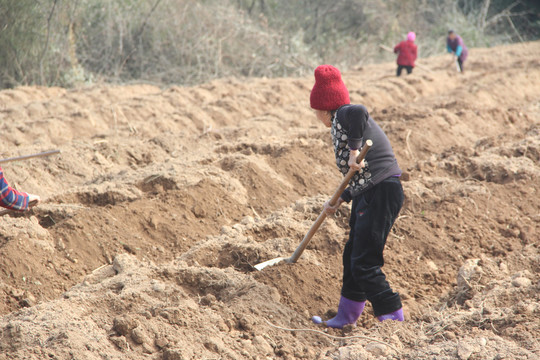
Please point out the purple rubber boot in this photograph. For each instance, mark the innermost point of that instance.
(396, 315)
(348, 312)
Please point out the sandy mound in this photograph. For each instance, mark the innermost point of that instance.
(163, 200)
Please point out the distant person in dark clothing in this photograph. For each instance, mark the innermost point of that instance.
(455, 45)
(407, 53)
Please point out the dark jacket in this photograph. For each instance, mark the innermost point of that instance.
(351, 127)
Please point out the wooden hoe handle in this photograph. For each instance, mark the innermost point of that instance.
(300, 249)
(24, 157)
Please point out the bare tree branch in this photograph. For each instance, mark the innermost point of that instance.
(513, 27)
(483, 14)
(148, 17)
(502, 14)
(46, 46)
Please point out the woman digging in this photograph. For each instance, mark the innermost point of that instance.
(407, 53)
(456, 46)
(376, 194)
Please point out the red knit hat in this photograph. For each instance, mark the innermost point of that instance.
(329, 91)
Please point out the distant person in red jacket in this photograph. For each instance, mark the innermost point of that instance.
(407, 52)
(13, 199)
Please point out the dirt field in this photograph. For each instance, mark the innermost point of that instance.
(162, 200)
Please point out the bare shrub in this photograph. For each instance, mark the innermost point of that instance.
(69, 43)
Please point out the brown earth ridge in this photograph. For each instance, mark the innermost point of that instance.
(162, 200)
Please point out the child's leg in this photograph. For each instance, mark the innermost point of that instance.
(350, 288)
(353, 298)
(399, 68)
(374, 219)
(409, 69)
(460, 62)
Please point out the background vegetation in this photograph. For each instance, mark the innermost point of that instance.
(72, 42)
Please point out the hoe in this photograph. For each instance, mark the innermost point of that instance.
(300, 249)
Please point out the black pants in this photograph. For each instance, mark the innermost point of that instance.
(401, 67)
(460, 63)
(372, 215)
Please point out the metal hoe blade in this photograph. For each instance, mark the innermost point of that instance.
(269, 263)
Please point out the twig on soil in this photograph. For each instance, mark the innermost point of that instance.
(481, 183)
(74, 206)
(220, 211)
(206, 130)
(255, 212)
(152, 178)
(132, 128)
(474, 203)
(335, 337)
(408, 146)
(429, 333)
(99, 268)
(493, 327)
